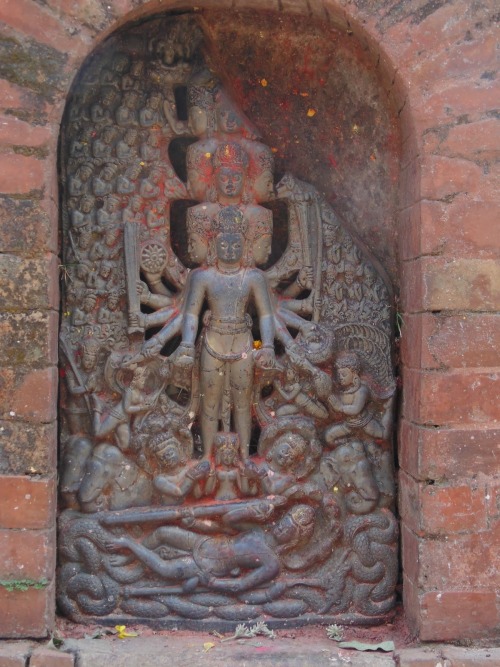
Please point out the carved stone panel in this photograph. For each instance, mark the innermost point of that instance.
(227, 401)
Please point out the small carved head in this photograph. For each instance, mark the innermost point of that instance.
(347, 368)
(167, 450)
(90, 351)
(227, 448)
(287, 451)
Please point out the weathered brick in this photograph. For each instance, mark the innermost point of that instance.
(412, 605)
(467, 284)
(446, 453)
(27, 226)
(38, 67)
(18, 132)
(28, 613)
(471, 96)
(15, 97)
(29, 283)
(27, 554)
(91, 13)
(457, 614)
(409, 183)
(444, 177)
(458, 397)
(121, 7)
(409, 553)
(470, 340)
(295, 6)
(20, 174)
(14, 654)
(409, 231)
(493, 499)
(27, 449)
(465, 227)
(259, 4)
(438, 283)
(473, 57)
(46, 657)
(471, 657)
(27, 503)
(459, 561)
(32, 20)
(412, 286)
(30, 395)
(29, 338)
(414, 352)
(423, 656)
(433, 509)
(473, 141)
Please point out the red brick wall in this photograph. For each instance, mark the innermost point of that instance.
(436, 62)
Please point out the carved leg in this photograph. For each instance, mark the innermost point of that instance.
(241, 374)
(211, 391)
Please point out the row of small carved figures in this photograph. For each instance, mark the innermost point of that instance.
(111, 480)
(141, 100)
(150, 183)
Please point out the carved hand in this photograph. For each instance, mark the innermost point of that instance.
(305, 277)
(265, 358)
(183, 357)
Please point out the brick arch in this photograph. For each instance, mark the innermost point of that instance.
(436, 61)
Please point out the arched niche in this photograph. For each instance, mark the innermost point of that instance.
(316, 144)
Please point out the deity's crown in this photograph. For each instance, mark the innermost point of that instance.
(266, 160)
(90, 346)
(262, 223)
(230, 155)
(230, 220)
(201, 90)
(197, 223)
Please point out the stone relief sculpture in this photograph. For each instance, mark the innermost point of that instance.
(227, 407)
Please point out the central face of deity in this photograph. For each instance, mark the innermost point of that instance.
(230, 182)
(229, 247)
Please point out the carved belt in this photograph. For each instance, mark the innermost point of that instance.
(361, 420)
(227, 357)
(229, 325)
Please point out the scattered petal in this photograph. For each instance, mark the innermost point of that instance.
(122, 632)
(263, 82)
(207, 646)
(311, 113)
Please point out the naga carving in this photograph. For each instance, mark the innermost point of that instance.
(227, 395)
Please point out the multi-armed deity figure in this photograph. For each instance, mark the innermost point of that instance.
(228, 390)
